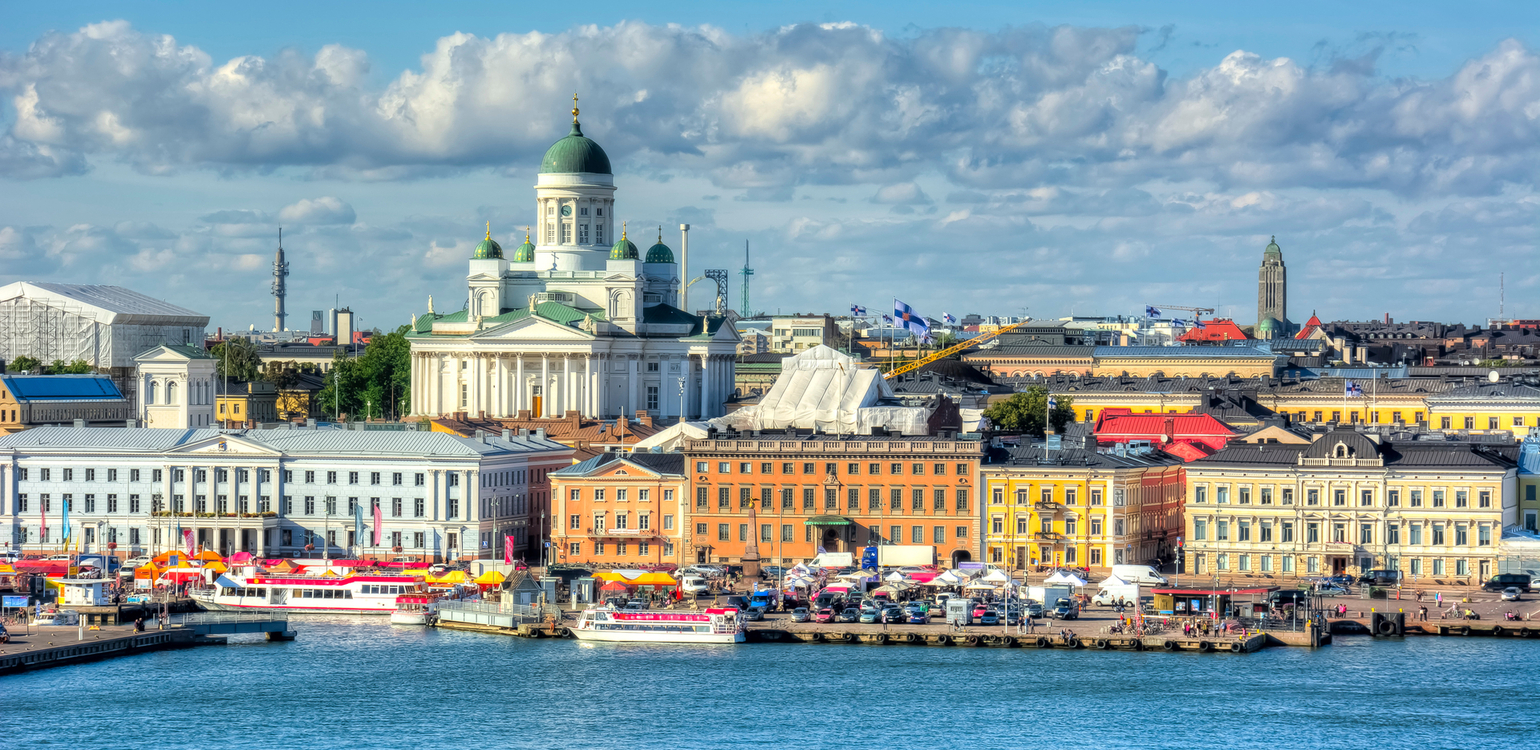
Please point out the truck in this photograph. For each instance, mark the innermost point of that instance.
(900, 555)
(833, 560)
(1116, 590)
(768, 600)
(1139, 574)
(1048, 595)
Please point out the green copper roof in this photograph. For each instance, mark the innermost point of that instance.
(1272, 248)
(575, 153)
(1268, 328)
(524, 253)
(488, 249)
(623, 249)
(660, 253)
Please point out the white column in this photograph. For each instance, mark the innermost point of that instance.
(518, 383)
(545, 385)
(567, 391)
(633, 362)
(705, 386)
(688, 367)
(588, 386)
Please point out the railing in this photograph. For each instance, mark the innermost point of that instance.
(222, 618)
(495, 613)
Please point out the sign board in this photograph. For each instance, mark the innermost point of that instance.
(13, 602)
(970, 566)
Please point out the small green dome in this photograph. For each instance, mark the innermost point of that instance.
(1268, 328)
(575, 153)
(488, 249)
(524, 253)
(1272, 248)
(623, 249)
(660, 253)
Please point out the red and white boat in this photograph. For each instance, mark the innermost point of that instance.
(354, 594)
(659, 626)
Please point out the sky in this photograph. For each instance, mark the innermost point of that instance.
(1083, 158)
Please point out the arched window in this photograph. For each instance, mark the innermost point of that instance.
(171, 393)
(154, 386)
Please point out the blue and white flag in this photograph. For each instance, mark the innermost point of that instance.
(947, 317)
(1199, 324)
(1179, 323)
(1351, 389)
(887, 318)
(64, 533)
(910, 320)
(1151, 312)
(857, 311)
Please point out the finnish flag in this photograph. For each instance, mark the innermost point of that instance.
(909, 320)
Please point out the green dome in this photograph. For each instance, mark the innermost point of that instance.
(575, 153)
(623, 249)
(1268, 328)
(488, 249)
(1272, 248)
(660, 253)
(524, 253)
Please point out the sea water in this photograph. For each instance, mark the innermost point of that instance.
(362, 683)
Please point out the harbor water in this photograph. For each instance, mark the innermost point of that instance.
(362, 683)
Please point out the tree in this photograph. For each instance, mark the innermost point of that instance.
(75, 367)
(944, 340)
(238, 358)
(1023, 412)
(379, 383)
(283, 375)
(23, 364)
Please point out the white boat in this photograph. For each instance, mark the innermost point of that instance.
(415, 609)
(359, 594)
(659, 626)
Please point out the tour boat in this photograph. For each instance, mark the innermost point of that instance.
(659, 626)
(415, 609)
(354, 594)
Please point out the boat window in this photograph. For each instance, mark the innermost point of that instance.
(347, 595)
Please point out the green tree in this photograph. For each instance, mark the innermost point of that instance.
(75, 367)
(23, 364)
(283, 375)
(378, 383)
(238, 358)
(1023, 412)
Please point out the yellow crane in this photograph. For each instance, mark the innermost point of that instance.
(949, 351)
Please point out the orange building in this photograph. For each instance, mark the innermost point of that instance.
(831, 492)
(619, 510)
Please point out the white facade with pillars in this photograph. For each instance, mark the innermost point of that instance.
(273, 492)
(569, 322)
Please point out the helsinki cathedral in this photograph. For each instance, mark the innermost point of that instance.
(575, 319)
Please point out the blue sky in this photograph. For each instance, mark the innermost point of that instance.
(978, 157)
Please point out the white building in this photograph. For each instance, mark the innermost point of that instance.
(575, 322)
(273, 492)
(106, 326)
(177, 385)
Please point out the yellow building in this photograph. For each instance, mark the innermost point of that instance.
(1486, 407)
(1191, 361)
(245, 400)
(1529, 480)
(1348, 503)
(1079, 508)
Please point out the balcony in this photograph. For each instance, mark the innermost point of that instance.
(623, 533)
(1049, 506)
(1048, 536)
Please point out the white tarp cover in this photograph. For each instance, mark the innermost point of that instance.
(673, 437)
(995, 576)
(824, 390)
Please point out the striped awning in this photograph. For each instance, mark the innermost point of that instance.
(829, 521)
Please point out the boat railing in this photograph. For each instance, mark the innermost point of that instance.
(213, 618)
(524, 611)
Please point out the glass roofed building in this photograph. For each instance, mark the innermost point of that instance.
(576, 318)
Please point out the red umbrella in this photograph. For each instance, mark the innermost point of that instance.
(613, 586)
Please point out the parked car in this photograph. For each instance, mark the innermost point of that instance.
(894, 614)
(1066, 609)
(1380, 578)
(979, 609)
(753, 614)
(918, 617)
(772, 571)
(1013, 617)
(1330, 590)
(694, 585)
(800, 614)
(739, 603)
(1511, 594)
(1034, 609)
(1504, 580)
(871, 615)
(848, 614)
(936, 609)
(825, 615)
(636, 604)
(1343, 580)
(135, 562)
(1286, 597)
(990, 617)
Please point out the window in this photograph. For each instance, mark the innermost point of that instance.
(996, 496)
(1071, 526)
(1244, 496)
(1392, 534)
(310, 506)
(745, 468)
(454, 480)
(963, 470)
(874, 469)
(962, 501)
(1222, 533)
(1047, 495)
(1461, 536)
(1415, 499)
(724, 467)
(938, 500)
(1414, 534)
(1222, 495)
(1470, 423)
(1484, 536)
(1096, 497)
(1266, 532)
(743, 532)
(1339, 533)
(1267, 496)
(724, 498)
(395, 507)
(1484, 499)
(918, 469)
(896, 469)
(896, 500)
(1286, 531)
(1366, 498)
(1096, 527)
(1312, 532)
(419, 508)
(808, 467)
(1438, 535)
(1199, 494)
(1438, 498)
(940, 469)
(1366, 533)
(1339, 497)
(1243, 531)
(1461, 499)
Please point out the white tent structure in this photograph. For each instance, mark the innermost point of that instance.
(1065, 579)
(672, 438)
(824, 390)
(995, 576)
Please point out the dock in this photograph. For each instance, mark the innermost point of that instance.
(48, 646)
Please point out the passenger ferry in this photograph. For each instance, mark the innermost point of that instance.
(659, 626)
(362, 594)
(415, 609)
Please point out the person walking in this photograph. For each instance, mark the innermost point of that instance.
(1422, 612)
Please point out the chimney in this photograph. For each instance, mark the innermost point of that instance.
(1170, 429)
(540, 433)
(643, 418)
(507, 434)
(481, 436)
(310, 424)
(131, 424)
(523, 432)
(80, 424)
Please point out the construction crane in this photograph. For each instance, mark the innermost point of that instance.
(1197, 312)
(949, 351)
(743, 309)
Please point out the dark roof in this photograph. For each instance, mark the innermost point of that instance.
(1035, 453)
(61, 388)
(765, 358)
(1408, 453)
(1358, 446)
(1042, 351)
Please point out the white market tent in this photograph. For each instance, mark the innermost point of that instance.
(1065, 579)
(894, 577)
(946, 579)
(995, 576)
(825, 390)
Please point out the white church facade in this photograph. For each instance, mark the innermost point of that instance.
(582, 321)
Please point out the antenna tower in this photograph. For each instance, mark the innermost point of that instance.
(743, 309)
(280, 287)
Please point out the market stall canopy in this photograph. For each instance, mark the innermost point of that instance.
(828, 521)
(946, 579)
(239, 558)
(1113, 581)
(1066, 579)
(452, 577)
(996, 576)
(490, 578)
(216, 566)
(894, 577)
(208, 555)
(613, 586)
(654, 579)
(172, 558)
(979, 587)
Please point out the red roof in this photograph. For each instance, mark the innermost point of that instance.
(1120, 425)
(1311, 326)
(1188, 451)
(1218, 329)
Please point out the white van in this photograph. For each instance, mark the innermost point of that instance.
(1139, 574)
(693, 585)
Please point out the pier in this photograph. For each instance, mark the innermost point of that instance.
(59, 646)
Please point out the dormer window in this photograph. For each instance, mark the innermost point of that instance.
(1342, 451)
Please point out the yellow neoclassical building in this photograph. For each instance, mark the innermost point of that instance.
(1347, 503)
(1079, 508)
(1507, 406)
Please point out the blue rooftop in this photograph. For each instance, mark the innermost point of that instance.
(61, 387)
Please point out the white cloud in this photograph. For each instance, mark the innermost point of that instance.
(325, 210)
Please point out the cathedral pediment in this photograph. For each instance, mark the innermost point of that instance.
(533, 328)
